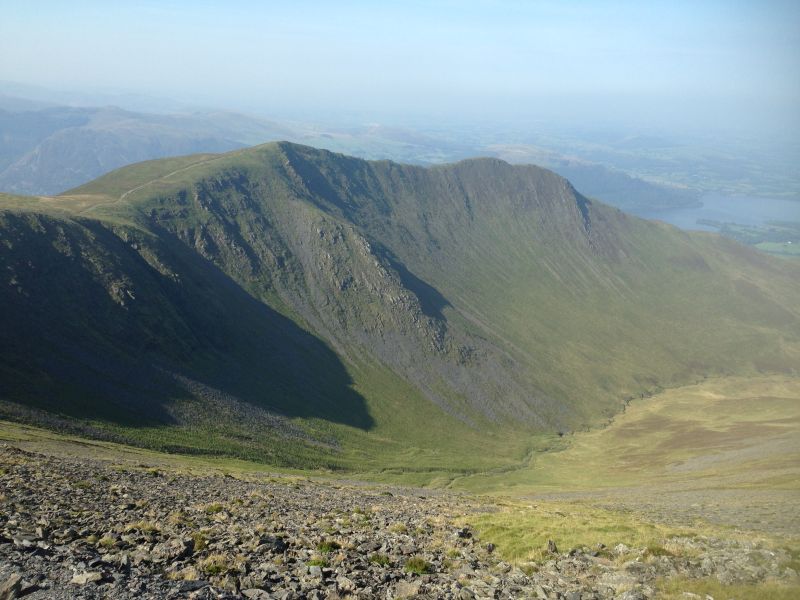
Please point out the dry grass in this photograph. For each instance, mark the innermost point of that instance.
(677, 589)
(143, 527)
(691, 461)
(736, 431)
(216, 564)
(521, 532)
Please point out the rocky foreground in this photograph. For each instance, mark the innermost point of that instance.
(78, 528)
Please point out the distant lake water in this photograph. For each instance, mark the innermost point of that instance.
(743, 210)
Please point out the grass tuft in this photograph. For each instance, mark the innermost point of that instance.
(327, 546)
(379, 559)
(417, 565)
(199, 540)
(398, 528)
(215, 564)
(213, 508)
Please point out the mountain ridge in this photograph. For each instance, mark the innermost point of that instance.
(481, 298)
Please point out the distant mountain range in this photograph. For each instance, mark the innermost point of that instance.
(309, 308)
(47, 148)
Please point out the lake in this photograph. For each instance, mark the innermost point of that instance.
(743, 210)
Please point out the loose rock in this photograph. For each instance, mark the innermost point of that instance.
(84, 528)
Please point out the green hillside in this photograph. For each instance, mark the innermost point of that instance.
(306, 308)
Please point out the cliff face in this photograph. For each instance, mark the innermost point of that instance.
(281, 291)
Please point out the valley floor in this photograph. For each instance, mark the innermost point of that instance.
(723, 451)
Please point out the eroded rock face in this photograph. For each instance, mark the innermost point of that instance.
(77, 528)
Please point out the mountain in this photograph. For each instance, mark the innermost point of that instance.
(623, 191)
(47, 150)
(612, 186)
(309, 308)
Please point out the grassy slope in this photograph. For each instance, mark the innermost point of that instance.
(703, 459)
(741, 433)
(585, 319)
(728, 447)
(730, 433)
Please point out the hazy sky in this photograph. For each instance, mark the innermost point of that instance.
(722, 62)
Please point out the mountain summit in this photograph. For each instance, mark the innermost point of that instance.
(304, 307)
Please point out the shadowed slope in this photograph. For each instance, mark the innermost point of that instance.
(113, 322)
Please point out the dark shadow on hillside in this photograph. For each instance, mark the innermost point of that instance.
(265, 358)
(326, 190)
(583, 205)
(70, 347)
(431, 300)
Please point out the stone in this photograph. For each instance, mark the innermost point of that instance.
(273, 543)
(11, 587)
(408, 549)
(345, 585)
(406, 589)
(256, 594)
(369, 547)
(87, 577)
(632, 595)
(192, 585)
(466, 594)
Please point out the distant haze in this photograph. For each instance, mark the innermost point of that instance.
(717, 65)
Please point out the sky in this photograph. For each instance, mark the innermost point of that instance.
(718, 64)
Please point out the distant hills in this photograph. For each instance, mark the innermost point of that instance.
(309, 308)
(613, 186)
(47, 148)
